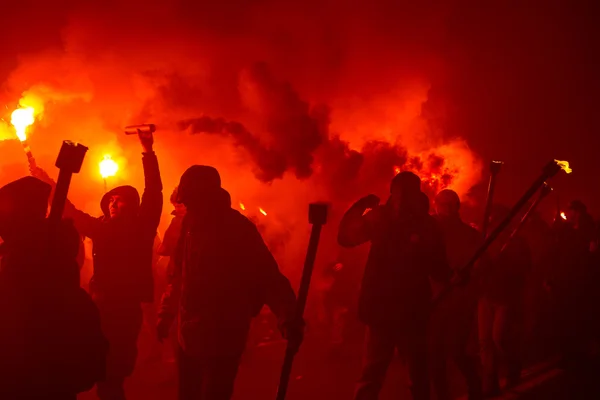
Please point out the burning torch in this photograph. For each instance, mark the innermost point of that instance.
(317, 216)
(549, 171)
(108, 168)
(69, 161)
(21, 118)
(495, 167)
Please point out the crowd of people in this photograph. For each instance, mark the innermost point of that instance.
(59, 340)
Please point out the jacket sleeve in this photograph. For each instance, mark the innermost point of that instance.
(440, 270)
(275, 288)
(85, 223)
(169, 302)
(356, 228)
(169, 244)
(152, 198)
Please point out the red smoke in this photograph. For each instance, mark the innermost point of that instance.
(292, 101)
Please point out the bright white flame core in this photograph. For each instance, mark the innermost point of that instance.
(21, 118)
(108, 167)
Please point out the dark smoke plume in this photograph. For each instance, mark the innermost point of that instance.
(292, 131)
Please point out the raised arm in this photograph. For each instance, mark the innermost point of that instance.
(355, 227)
(152, 198)
(84, 223)
(274, 287)
(169, 304)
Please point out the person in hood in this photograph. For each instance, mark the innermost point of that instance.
(51, 341)
(224, 275)
(501, 306)
(454, 319)
(123, 240)
(168, 247)
(407, 249)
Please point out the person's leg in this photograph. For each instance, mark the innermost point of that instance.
(418, 372)
(379, 351)
(485, 322)
(190, 377)
(467, 365)
(439, 328)
(508, 336)
(112, 388)
(121, 324)
(220, 378)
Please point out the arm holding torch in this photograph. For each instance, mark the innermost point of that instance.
(549, 171)
(69, 161)
(152, 198)
(544, 192)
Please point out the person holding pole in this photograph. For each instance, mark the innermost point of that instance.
(224, 274)
(123, 240)
(407, 249)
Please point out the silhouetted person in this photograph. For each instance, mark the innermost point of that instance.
(168, 249)
(501, 306)
(51, 342)
(225, 275)
(568, 282)
(406, 250)
(454, 321)
(123, 240)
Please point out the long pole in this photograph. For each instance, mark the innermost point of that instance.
(549, 171)
(546, 190)
(495, 167)
(317, 217)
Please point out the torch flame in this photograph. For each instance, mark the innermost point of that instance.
(564, 165)
(242, 207)
(563, 216)
(21, 118)
(263, 212)
(108, 167)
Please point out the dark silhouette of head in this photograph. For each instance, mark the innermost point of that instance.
(121, 202)
(198, 186)
(174, 199)
(405, 191)
(22, 202)
(447, 204)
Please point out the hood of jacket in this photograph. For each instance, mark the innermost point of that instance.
(129, 193)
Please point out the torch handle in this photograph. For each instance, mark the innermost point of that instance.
(291, 349)
(495, 233)
(60, 197)
(543, 193)
(489, 202)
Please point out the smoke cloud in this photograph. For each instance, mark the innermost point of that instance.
(292, 101)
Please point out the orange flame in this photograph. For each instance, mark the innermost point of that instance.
(564, 165)
(563, 216)
(108, 167)
(21, 118)
(242, 207)
(263, 212)
(397, 170)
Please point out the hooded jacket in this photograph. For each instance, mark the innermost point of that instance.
(122, 247)
(224, 274)
(51, 341)
(405, 253)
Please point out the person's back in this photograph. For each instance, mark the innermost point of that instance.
(407, 250)
(52, 344)
(404, 254)
(224, 274)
